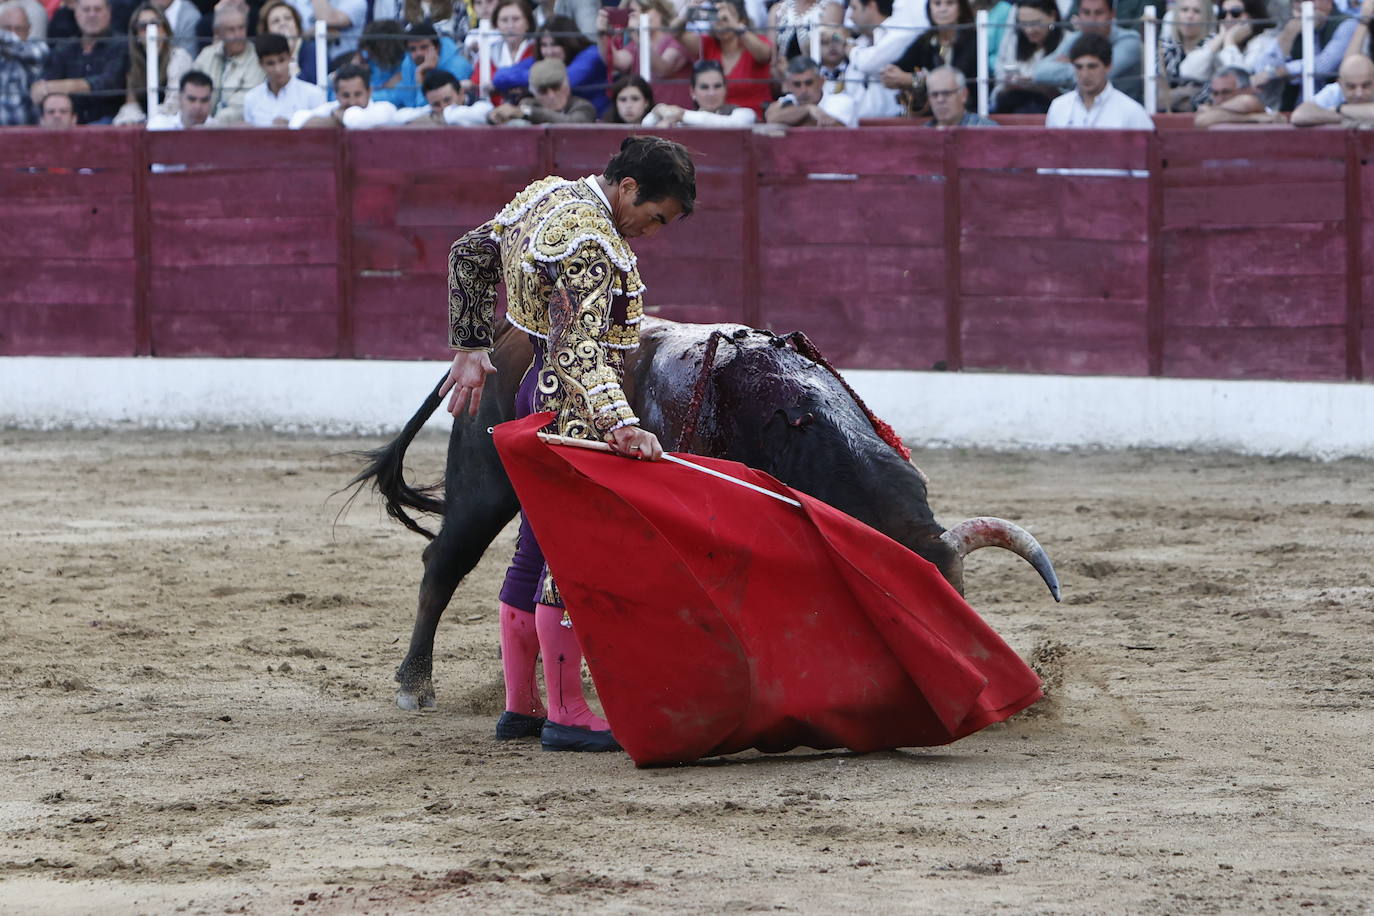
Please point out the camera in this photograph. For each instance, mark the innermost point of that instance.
(706, 12)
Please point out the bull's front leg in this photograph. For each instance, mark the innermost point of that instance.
(479, 503)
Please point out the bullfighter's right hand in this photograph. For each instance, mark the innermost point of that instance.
(466, 378)
(633, 442)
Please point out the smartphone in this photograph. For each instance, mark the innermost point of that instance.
(618, 16)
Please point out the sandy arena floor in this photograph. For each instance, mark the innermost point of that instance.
(197, 713)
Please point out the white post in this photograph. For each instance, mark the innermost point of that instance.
(150, 37)
(322, 54)
(816, 42)
(980, 25)
(1151, 61)
(1309, 52)
(484, 36)
(644, 40)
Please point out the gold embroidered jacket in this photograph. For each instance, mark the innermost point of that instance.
(571, 281)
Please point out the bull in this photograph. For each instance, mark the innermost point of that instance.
(727, 391)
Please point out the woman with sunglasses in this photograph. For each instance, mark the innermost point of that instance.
(1185, 30)
(1241, 40)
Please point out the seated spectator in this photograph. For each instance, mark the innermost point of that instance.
(1241, 40)
(1359, 39)
(344, 20)
(947, 89)
(182, 18)
(482, 12)
(790, 23)
(834, 57)
(1185, 30)
(57, 111)
(196, 99)
(231, 63)
(583, 14)
(1333, 32)
(442, 15)
(382, 51)
(560, 40)
(1349, 101)
(64, 23)
(36, 14)
(272, 102)
(806, 103)
(876, 48)
(21, 62)
(92, 71)
(172, 64)
(1094, 17)
(513, 43)
(944, 45)
(445, 96)
(551, 100)
(1094, 102)
(670, 66)
(745, 56)
(631, 100)
(1038, 33)
(354, 106)
(709, 93)
(277, 17)
(1232, 100)
(425, 51)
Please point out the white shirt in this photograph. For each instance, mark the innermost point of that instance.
(740, 117)
(1112, 109)
(866, 61)
(355, 10)
(1330, 96)
(261, 107)
(839, 106)
(376, 114)
(160, 121)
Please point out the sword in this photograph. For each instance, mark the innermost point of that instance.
(552, 439)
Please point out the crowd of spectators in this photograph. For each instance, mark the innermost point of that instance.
(718, 63)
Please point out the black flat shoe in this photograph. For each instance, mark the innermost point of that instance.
(555, 737)
(514, 725)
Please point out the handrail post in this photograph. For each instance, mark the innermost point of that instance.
(322, 54)
(1151, 61)
(645, 68)
(981, 33)
(1309, 52)
(150, 37)
(484, 36)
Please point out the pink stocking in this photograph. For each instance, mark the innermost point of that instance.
(563, 671)
(519, 654)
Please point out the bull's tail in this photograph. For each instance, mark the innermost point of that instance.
(386, 473)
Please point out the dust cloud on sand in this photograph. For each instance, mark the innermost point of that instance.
(197, 660)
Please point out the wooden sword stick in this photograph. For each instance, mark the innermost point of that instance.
(603, 447)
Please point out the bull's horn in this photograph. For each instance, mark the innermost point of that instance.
(968, 536)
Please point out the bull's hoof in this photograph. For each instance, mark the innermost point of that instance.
(415, 700)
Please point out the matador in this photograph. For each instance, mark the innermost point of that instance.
(572, 284)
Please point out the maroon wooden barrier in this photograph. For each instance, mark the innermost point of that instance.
(1241, 255)
(67, 252)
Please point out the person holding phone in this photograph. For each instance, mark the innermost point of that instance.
(745, 57)
(670, 66)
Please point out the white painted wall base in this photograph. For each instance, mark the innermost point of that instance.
(335, 397)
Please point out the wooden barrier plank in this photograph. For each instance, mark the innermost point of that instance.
(863, 212)
(679, 281)
(1246, 205)
(260, 288)
(281, 334)
(586, 150)
(89, 148)
(229, 195)
(245, 149)
(709, 234)
(1297, 248)
(882, 151)
(43, 182)
(1254, 173)
(1020, 205)
(1031, 148)
(1248, 301)
(36, 282)
(64, 229)
(67, 329)
(504, 155)
(1051, 268)
(888, 271)
(240, 243)
(1069, 336)
(1299, 354)
(413, 249)
(400, 318)
(1193, 146)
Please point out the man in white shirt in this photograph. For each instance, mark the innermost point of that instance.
(273, 102)
(880, 43)
(1349, 101)
(355, 107)
(1094, 103)
(1097, 17)
(807, 104)
(195, 99)
(230, 62)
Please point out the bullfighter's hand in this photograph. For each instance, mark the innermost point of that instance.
(466, 378)
(633, 442)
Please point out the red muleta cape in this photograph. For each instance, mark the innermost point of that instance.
(715, 619)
